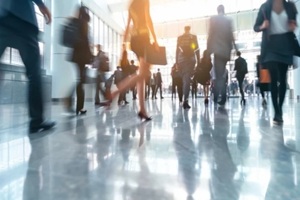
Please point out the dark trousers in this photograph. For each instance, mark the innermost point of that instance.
(158, 86)
(100, 79)
(79, 89)
(23, 36)
(153, 88)
(240, 80)
(179, 85)
(220, 78)
(278, 73)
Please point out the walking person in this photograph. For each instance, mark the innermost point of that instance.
(159, 81)
(277, 20)
(19, 30)
(153, 85)
(133, 71)
(220, 42)
(187, 55)
(139, 13)
(80, 55)
(118, 77)
(102, 60)
(263, 80)
(203, 74)
(240, 66)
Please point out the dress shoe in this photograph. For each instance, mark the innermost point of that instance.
(143, 116)
(97, 103)
(243, 102)
(81, 112)
(46, 125)
(278, 119)
(206, 102)
(186, 105)
(221, 103)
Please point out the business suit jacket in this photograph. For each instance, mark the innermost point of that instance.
(220, 36)
(264, 13)
(23, 9)
(239, 67)
(185, 40)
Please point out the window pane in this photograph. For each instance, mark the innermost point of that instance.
(6, 56)
(96, 30)
(15, 57)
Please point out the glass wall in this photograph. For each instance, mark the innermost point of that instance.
(101, 33)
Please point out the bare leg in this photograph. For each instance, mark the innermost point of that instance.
(139, 80)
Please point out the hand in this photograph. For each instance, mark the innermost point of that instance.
(156, 46)
(292, 26)
(44, 10)
(265, 25)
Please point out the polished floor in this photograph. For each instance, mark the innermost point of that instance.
(202, 154)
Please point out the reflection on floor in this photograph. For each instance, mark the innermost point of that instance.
(204, 153)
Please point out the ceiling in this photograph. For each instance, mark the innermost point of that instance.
(163, 11)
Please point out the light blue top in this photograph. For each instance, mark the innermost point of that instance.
(23, 9)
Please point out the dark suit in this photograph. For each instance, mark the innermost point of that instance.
(158, 84)
(19, 30)
(240, 73)
(219, 42)
(186, 63)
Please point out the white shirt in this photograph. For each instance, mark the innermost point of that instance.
(279, 23)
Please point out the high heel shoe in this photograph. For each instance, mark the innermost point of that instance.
(81, 112)
(144, 117)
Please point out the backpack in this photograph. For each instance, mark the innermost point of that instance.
(70, 33)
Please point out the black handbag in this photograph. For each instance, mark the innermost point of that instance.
(155, 57)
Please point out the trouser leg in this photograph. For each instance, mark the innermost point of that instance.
(240, 81)
(273, 70)
(220, 81)
(79, 88)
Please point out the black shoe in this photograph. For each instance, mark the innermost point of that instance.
(243, 102)
(97, 103)
(126, 102)
(186, 105)
(46, 125)
(222, 103)
(278, 119)
(206, 101)
(81, 112)
(144, 117)
(264, 103)
(161, 97)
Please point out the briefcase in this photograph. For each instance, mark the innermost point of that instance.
(155, 57)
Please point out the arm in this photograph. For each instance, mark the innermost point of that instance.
(149, 21)
(232, 37)
(210, 36)
(44, 10)
(261, 23)
(197, 52)
(235, 65)
(177, 51)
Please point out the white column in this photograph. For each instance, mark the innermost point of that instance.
(63, 72)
